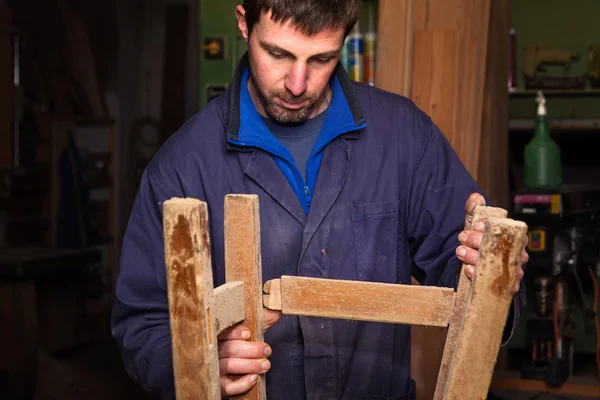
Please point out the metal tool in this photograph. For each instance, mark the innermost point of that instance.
(535, 62)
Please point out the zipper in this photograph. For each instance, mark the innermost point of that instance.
(306, 191)
(309, 163)
(307, 195)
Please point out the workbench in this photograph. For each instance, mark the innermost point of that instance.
(582, 387)
(21, 269)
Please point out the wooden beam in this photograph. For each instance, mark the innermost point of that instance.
(453, 15)
(272, 300)
(190, 289)
(458, 309)
(394, 46)
(243, 263)
(469, 19)
(494, 157)
(421, 13)
(362, 301)
(479, 33)
(434, 85)
(479, 339)
(229, 305)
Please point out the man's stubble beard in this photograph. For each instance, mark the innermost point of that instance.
(281, 114)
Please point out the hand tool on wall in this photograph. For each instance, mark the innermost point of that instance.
(536, 60)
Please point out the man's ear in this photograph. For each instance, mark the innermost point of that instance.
(240, 14)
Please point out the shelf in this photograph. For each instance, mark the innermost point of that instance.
(83, 120)
(528, 124)
(556, 92)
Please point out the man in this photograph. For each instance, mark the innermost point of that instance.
(353, 183)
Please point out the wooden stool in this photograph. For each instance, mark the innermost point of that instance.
(475, 314)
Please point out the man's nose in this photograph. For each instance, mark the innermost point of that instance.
(297, 80)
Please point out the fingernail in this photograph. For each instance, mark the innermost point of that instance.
(245, 334)
(253, 378)
(265, 365)
(463, 237)
(268, 351)
(470, 270)
(461, 251)
(479, 226)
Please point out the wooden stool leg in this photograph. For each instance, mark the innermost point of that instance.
(479, 339)
(243, 263)
(458, 309)
(190, 289)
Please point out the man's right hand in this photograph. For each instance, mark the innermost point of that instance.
(240, 361)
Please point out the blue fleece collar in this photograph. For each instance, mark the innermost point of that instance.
(253, 131)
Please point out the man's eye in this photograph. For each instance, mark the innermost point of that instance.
(276, 56)
(323, 60)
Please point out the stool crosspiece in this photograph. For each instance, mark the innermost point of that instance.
(475, 314)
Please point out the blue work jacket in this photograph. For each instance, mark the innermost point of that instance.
(384, 200)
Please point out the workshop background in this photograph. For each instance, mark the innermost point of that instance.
(90, 89)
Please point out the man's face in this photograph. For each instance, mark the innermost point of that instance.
(290, 71)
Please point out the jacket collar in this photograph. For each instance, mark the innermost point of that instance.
(345, 111)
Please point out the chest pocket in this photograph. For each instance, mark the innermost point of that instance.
(377, 229)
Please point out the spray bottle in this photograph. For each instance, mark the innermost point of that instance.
(542, 169)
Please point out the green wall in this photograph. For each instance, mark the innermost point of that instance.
(557, 25)
(217, 18)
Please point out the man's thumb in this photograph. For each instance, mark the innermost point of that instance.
(474, 200)
(270, 317)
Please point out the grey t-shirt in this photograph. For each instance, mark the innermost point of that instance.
(299, 138)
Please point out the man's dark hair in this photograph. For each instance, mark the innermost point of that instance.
(308, 16)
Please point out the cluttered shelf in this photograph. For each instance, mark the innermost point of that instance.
(557, 124)
(555, 92)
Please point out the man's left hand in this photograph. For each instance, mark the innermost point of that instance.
(470, 240)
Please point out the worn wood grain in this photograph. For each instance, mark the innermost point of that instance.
(469, 20)
(272, 300)
(363, 301)
(420, 13)
(394, 46)
(472, 366)
(454, 15)
(434, 74)
(229, 305)
(243, 263)
(458, 309)
(190, 290)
